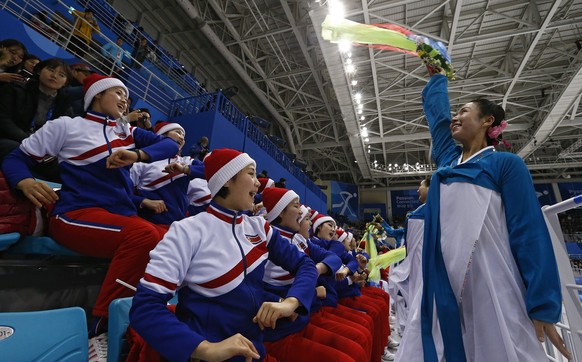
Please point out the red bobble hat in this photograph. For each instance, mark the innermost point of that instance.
(96, 83)
(314, 213)
(276, 200)
(164, 127)
(304, 212)
(265, 182)
(341, 234)
(221, 165)
(320, 219)
(350, 236)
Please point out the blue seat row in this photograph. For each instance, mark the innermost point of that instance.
(12, 243)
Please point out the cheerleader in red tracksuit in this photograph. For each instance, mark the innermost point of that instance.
(349, 294)
(215, 261)
(162, 187)
(93, 213)
(298, 339)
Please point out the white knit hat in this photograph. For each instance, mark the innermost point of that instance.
(96, 83)
(221, 165)
(276, 200)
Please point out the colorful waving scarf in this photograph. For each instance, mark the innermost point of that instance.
(382, 261)
(389, 37)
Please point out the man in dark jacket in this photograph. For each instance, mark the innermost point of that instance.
(74, 90)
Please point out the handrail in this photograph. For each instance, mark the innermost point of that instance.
(166, 62)
(570, 295)
(144, 83)
(217, 102)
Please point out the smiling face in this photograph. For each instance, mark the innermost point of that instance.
(469, 125)
(111, 102)
(290, 215)
(327, 230)
(53, 78)
(241, 190)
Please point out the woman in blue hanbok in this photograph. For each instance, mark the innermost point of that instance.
(491, 290)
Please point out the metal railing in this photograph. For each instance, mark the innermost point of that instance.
(217, 102)
(143, 84)
(130, 33)
(571, 324)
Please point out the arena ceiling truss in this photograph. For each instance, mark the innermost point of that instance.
(525, 55)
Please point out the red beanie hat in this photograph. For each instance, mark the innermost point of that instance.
(265, 182)
(304, 212)
(341, 234)
(163, 127)
(320, 219)
(97, 83)
(276, 200)
(221, 165)
(314, 213)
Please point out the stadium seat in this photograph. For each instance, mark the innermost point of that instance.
(43, 336)
(7, 240)
(118, 322)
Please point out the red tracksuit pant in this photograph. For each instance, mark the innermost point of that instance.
(338, 325)
(316, 344)
(127, 240)
(379, 314)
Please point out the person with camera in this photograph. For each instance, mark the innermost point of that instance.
(144, 121)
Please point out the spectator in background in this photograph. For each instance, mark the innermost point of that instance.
(281, 183)
(199, 150)
(85, 26)
(28, 64)
(140, 51)
(154, 52)
(144, 121)
(74, 90)
(43, 24)
(26, 107)
(113, 54)
(12, 52)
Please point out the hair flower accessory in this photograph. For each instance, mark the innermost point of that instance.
(495, 132)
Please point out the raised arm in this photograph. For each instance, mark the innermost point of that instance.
(437, 109)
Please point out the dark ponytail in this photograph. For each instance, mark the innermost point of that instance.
(488, 108)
